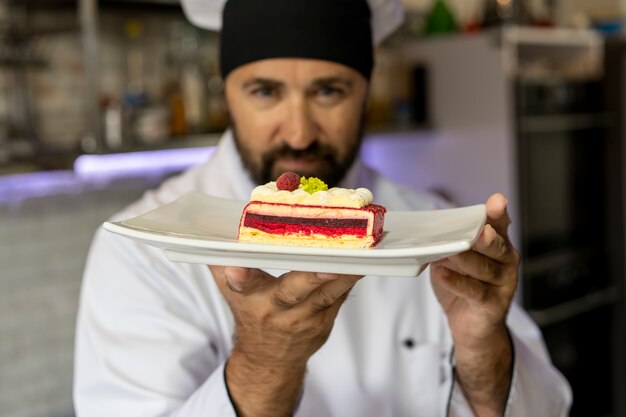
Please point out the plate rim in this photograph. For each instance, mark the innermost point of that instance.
(165, 239)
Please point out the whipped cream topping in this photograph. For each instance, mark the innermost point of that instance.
(334, 197)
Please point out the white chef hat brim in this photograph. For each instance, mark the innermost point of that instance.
(205, 14)
(387, 15)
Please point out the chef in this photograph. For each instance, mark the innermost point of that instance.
(156, 338)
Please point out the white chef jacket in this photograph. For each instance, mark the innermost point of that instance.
(153, 335)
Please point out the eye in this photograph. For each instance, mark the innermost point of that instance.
(329, 91)
(329, 94)
(265, 92)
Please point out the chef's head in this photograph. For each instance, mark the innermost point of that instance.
(296, 79)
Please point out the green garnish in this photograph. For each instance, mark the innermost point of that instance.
(312, 185)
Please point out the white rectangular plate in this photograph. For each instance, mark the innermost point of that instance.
(202, 229)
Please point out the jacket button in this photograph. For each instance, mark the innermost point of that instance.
(408, 343)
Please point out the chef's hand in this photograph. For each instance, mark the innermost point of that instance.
(280, 323)
(475, 289)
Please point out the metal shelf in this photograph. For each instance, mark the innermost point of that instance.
(562, 122)
(72, 3)
(47, 3)
(11, 32)
(523, 46)
(146, 2)
(552, 37)
(22, 61)
(573, 308)
(536, 265)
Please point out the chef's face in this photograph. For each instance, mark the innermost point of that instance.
(299, 115)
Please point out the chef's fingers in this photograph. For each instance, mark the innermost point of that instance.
(332, 294)
(295, 287)
(496, 247)
(491, 260)
(475, 265)
(238, 280)
(497, 214)
(244, 280)
(463, 286)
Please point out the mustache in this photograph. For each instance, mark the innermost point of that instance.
(315, 149)
(326, 154)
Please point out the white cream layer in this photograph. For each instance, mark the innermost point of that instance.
(334, 197)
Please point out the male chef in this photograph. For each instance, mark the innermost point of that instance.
(157, 338)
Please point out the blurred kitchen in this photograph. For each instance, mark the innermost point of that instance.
(102, 100)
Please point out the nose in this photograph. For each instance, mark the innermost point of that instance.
(299, 126)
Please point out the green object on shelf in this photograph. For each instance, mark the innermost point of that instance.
(440, 20)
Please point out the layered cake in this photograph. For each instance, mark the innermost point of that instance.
(304, 212)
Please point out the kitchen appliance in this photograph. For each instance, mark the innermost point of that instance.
(573, 284)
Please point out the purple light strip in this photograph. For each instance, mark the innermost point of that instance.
(97, 170)
(140, 163)
(19, 187)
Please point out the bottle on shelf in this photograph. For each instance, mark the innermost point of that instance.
(176, 106)
(144, 117)
(380, 106)
(536, 13)
(498, 12)
(5, 152)
(134, 96)
(172, 93)
(441, 20)
(217, 114)
(193, 82)
(469, 15)
(112, 122)
(194, 97)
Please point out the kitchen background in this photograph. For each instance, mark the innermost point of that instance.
(101, 100)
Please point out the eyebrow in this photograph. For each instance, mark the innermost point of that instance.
(333, 80)
(269, 82)
(262, 81)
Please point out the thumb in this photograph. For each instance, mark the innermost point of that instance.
(244, 280)
(497, 214)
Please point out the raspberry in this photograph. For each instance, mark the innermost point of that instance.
(288, 181)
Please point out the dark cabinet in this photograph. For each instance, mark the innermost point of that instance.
(571, 284)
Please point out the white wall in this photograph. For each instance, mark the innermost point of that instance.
(470, 152)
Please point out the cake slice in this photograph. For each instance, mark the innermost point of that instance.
(301, 212)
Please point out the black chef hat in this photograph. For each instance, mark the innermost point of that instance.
(331, 30)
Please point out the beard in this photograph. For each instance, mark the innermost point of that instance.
(331, 167)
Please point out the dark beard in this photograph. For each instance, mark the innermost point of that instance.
(331, 169)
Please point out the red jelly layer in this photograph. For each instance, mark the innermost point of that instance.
(326, 226)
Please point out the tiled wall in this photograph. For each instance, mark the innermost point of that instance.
(43, 244)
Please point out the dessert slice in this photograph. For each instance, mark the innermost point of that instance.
(301, 212)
